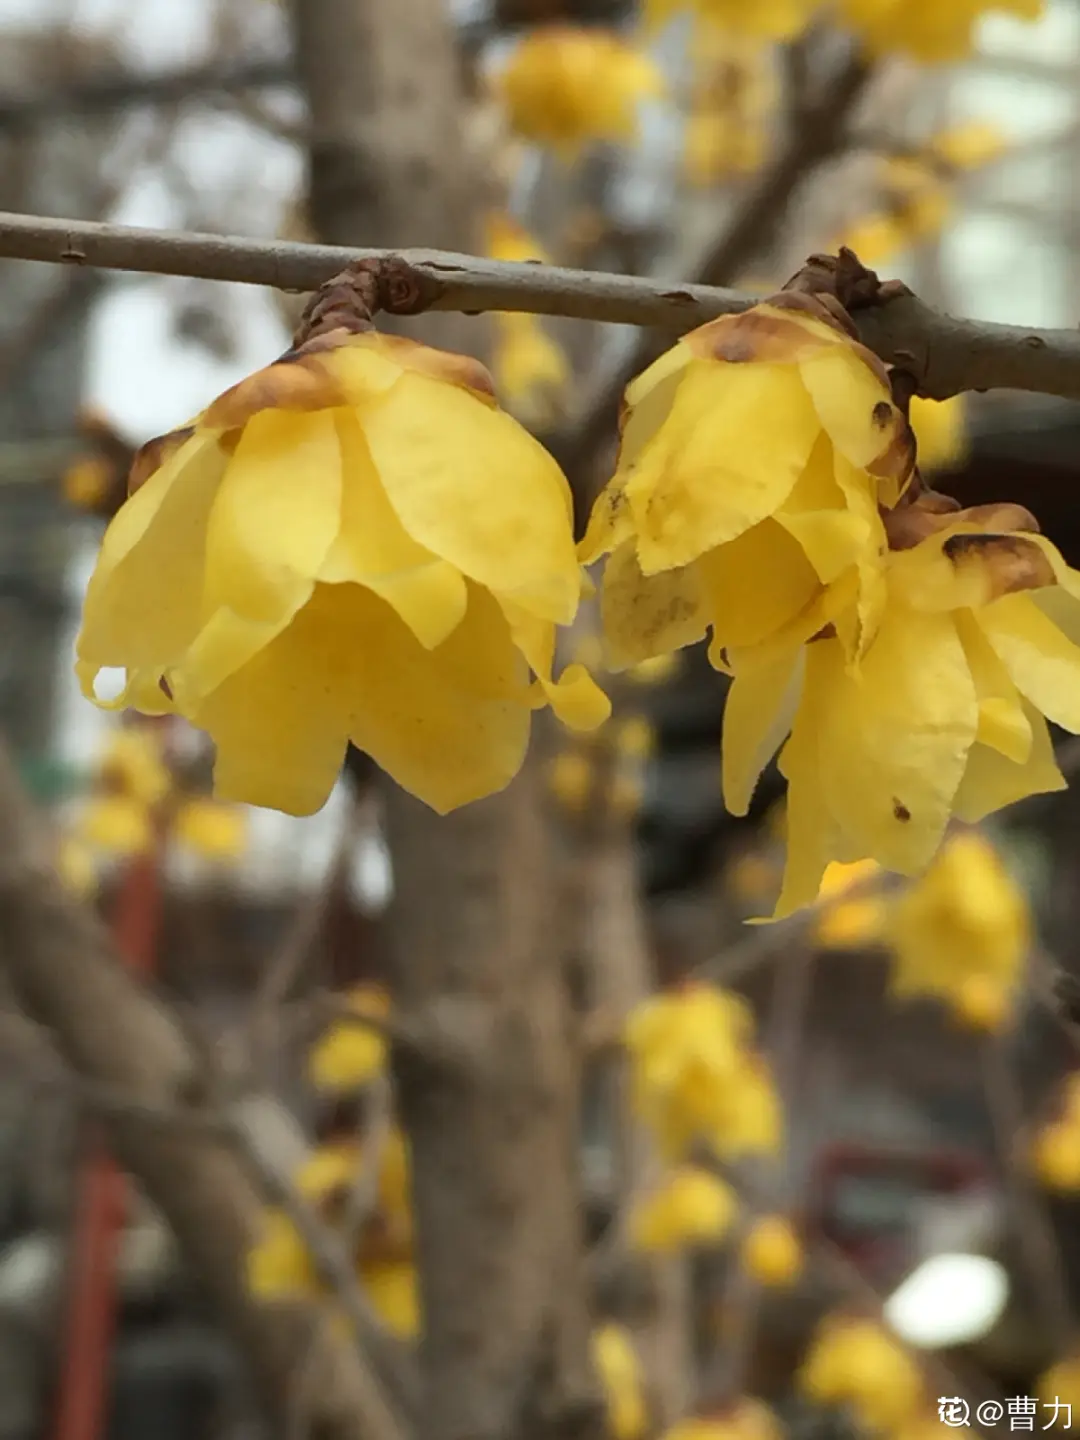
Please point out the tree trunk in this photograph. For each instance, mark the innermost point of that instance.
(491, 1103)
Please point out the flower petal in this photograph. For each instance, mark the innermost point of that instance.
(992, 781)
(895, 736)
(852, 403)
(1003, 722)
(754, 585)
(143, 602)
(645, 616)
(575, 697)
(373, 548)
(758, 713)
(1043, 663)
(476, 489)
(721, 463)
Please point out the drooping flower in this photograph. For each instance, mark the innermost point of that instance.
(962, 931)
(565, 85)
(853, 1362)
(722, 514)
(691, 1207)
(619, 1368)
(352, 544)
(944, 713)
(927, 30)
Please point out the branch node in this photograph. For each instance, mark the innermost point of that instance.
(350, 299)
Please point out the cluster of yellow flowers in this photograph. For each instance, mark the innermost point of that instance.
(853, 1362)
(927, 30)
(132, 796)
(1055, 1150)
(331, 552)
(280, 1265)
(733, 92)
(697, 1077)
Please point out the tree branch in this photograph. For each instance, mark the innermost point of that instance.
(945, 354)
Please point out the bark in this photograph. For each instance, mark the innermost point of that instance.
(489, 1097)
(113, 1032)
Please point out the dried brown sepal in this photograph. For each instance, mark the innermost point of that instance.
(153, 455)
(846, 279)
(1006, 563)
(351, 299)
(931, 513)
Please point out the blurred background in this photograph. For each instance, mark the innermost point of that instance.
(923, 1055)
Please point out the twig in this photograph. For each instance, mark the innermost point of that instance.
(945, 355)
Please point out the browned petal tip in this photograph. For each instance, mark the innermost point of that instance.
(153, 455)
(1009, 562)
(295, 381)
(350, 299)
(771, 332)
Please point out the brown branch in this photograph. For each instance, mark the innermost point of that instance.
(101, 94)
(946, 355)
(117, 1035)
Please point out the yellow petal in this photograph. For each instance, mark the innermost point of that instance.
(476, 489)
(1043, 663)
(816, 514)
(755, 585)
(721, 463)
(575, 697)
(809, 827)
(894, 738)
(646, 616)
(992, 781)
(373, 548)
(853, 404)
(143, 602)
(758, 713)
(1003, 724)
(610, 522)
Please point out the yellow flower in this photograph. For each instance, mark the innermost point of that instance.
(278, 1264)
(927, 30)
(770, 19)
(772, 1252)
(625, 795)
(635, 737)
(719, 516)
(940, 433)
(691, 1207)
(331, 552)
(210, 829)
(570, 777)
(923, 1426)
(564, 86)
(619, 1369)
(717, 145)
(965, 919)
(654, 671)
(752, 878)
(507, 239)
(394, 1293)
(75, 866)
(1060, 1382)
(696, 1076)
(531, 370)
(943, 713)
(733, 92)
(351, 1055)
(1055, 1156)
(853, 1362)
(848, 923)
(969, 145)
(117, 824)
(328, 1170)
(744, 1419)
(87, 481)
(132, 762)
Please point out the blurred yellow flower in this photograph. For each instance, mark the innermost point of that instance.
(769, 19)
(744, 1419)
(132, 762)
(849, 923)
(87, 481)
(531, 370)
(570, 776)
(75, 866)
(215, 831)
(635, 737)
(328, 1170)
(855, 1363)
(655, 671)
(394, 1292)
(506, 238)
(772, 1252)
(117, 824)
(691, 1207)
(625, 795)
(278, 1264)
(927, 30)
(940, 433)
(350, 1054)
(696, 1076)
(1055, 1155)
(1061, 1382)
(564, 86)
(347, 565)
(966, 919)
(752, 878)
(969, 145)
(619, 1369)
